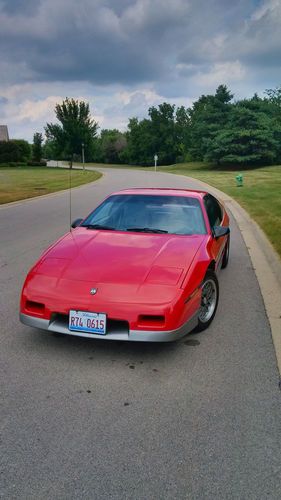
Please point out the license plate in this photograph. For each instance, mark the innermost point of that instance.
(89, 322)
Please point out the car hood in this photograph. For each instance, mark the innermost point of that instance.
(118, 257)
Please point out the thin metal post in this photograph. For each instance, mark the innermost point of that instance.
(155, 162)
(83, 156)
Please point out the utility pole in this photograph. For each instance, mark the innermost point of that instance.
(83, 156)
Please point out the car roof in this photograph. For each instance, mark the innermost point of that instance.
(163, 191)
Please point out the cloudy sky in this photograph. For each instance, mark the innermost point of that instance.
(126, 55)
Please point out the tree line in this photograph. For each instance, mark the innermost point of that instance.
(215, 129)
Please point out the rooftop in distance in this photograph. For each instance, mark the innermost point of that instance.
(4, 134)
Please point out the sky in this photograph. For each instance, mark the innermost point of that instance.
(123, 56)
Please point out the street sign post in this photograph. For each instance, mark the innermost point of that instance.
(155, 162)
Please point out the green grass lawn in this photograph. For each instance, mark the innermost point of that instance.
(17, 183)
(260, 194)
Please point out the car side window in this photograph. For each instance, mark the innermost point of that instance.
(213, 210)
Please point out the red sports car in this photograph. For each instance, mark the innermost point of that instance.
(142, 266)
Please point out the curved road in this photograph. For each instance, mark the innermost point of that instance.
(198, 419)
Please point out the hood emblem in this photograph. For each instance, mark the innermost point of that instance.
(93, 291)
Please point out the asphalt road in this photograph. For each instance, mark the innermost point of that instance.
(197, 419)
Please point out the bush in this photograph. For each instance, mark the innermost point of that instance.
(180, 159)
(16, 164)
(15, 151)
(25, 149)
(41, 163)
(13, 164)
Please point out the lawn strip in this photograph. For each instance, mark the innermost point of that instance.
(19, 183)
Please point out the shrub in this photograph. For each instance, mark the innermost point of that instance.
(41, 163)
(24, 149)
(14, 151)
(13, 164)
(16, 164)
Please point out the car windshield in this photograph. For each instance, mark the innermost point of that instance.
(148, 214)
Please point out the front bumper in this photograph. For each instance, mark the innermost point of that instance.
(61, 326)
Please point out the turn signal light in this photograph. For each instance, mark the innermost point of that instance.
(148, 320)
(35, 307)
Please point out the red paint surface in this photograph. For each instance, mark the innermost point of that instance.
(136, 274)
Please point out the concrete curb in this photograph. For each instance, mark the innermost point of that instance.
(266, 264)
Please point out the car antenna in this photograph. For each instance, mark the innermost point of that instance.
(70, 186)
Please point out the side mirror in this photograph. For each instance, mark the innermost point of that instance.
(76, 223)
(219, 231)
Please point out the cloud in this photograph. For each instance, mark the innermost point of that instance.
(3, 100)
(34, 111)
(264, 8)
(66, 40)
(228, 73)
(126, 55)
(15, 6)
(133, 42)
(260, 43)
(256, 42)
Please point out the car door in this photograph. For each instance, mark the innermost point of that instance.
(215, 216)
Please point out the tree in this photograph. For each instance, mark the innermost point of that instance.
(76, 128)
(163, 133)
(140, 147)
(208, 117)
(248, 138)
(274, 96)
(51, 150)
(37, 147)
(182, 133)
(111, 144)
(273, 102)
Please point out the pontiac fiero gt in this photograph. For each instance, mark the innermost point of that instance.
(142, 266)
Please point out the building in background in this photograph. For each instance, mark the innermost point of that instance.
(4, 134)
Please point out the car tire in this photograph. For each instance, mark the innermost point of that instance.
(209, 301)
(225, 258)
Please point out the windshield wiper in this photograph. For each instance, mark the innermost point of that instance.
(98, 226)
(146, 230)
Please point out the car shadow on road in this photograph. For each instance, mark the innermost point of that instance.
(77, 348)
